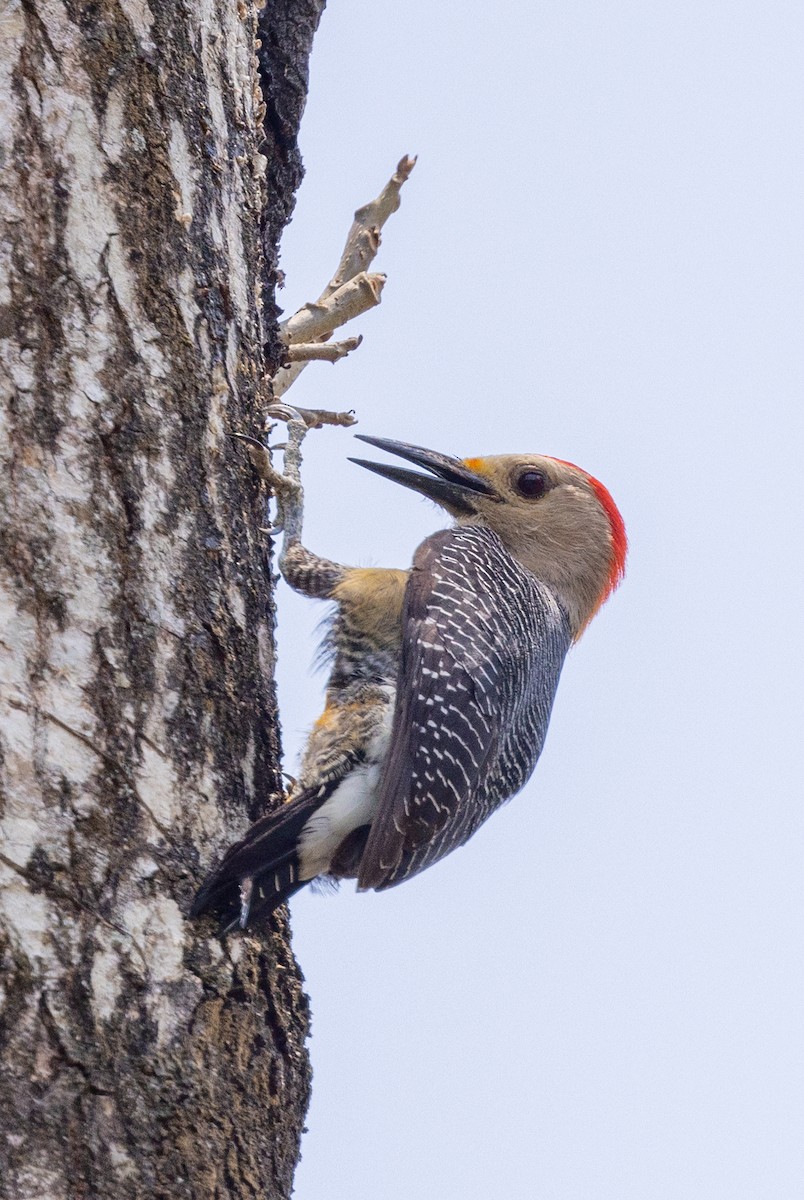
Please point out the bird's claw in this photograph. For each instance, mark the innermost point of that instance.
(284, 412)
(260, 456)
(244, 437)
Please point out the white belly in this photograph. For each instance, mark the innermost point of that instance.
(352, 804)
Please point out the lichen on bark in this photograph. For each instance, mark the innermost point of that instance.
(138, 726)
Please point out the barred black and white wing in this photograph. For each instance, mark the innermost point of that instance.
(483, 646)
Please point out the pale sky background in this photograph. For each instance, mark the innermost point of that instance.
(598, 256)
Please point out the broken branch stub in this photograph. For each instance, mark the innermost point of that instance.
(351, 291)
(322, 351)
(318, 320)
(363, 240)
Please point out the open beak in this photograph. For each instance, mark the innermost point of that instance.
(451, 483)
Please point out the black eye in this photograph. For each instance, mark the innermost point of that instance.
(532, 484)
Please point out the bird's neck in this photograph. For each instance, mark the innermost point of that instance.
(576, 572)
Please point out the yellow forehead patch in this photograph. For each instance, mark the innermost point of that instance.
(478, 465)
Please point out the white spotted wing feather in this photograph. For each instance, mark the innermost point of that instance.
(483, 646)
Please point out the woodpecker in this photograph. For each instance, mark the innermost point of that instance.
(443, 676)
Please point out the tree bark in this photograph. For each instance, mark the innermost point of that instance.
(149, 164)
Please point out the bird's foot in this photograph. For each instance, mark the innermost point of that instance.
(260, 456)
(285, 484)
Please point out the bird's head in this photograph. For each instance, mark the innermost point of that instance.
(558, 521)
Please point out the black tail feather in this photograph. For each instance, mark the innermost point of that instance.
(267, 857)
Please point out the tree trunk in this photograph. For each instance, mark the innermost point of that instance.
(144, 188)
